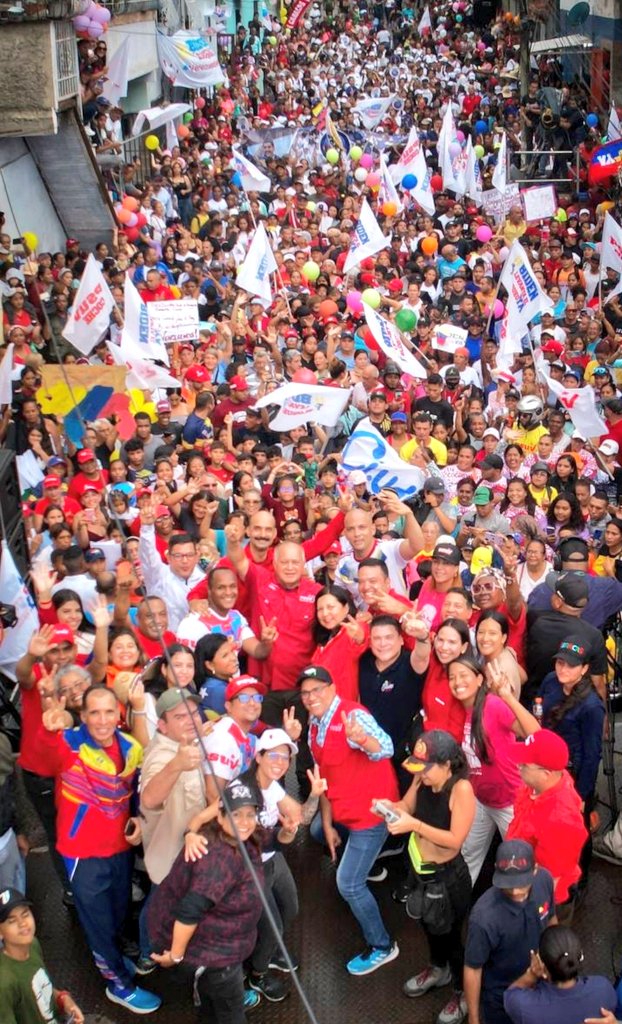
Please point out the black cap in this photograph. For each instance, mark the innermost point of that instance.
(434, 485)
(314, 672)
(572, 587)
(574, 651)
(540, 467)
(515, 865)
(446, 552)
(492, 462)
(239, 795)
(93, 555)
(9, 900)
(571, 546)
(433, 747)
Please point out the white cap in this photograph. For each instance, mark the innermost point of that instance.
(357, 476)
(609, 447)
(491, 432)
(577, 436)
(272, 738)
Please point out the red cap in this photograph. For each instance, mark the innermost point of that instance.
(198, 374)
(51, 481)
(85, 455)
(395, 285)
(162, 510)
(544, 748)
(553, 346)
(291, 333)
(238, 383)
(90, 489)
(241, 683)
(163, 406)
(142, 491)
(186, 347)
(62, 635)
(334, 549)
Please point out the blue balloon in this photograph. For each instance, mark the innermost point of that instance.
(236, 179)
(481, 127)
(409, 182)
(592, 120)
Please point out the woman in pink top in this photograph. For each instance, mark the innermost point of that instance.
(444, 575)
(494, 719)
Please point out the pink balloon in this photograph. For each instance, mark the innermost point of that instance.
(133, 221)
(481, 45)
(199, 102)
(483, 233)
(498, 309)
(101, 15)
(354, 302)
(304, 377)
(92, 7)
(460, 136)
(373, 180)
(95, 30)
(366, 161)
(81, 23)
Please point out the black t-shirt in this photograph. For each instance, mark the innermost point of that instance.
(392, 696)
(545, 632)
(441, 411)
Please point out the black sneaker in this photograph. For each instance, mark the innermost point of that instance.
(273, 989)
(400, 894)
(378, 873)
(279, 963)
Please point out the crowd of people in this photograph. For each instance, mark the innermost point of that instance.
(239, 637)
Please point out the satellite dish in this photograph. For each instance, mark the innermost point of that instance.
(578, 14)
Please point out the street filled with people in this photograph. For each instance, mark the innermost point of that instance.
(321, 479)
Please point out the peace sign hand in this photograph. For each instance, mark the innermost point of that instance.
(268, 634)
(318, 784)
(54, 718)
(354, 731)
(292, 726)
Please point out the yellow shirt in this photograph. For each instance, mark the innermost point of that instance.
(437, 448)
(543, 494)
(527, 439)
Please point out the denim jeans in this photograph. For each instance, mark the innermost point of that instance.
(12, 865)
(282, 896)
(362, 846)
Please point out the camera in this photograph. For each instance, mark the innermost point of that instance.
(8, 616)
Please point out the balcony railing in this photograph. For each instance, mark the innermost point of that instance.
(66, 78)
(128, 6)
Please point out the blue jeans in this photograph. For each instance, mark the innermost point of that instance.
(362, 846)
(12, 866)
(146, 949)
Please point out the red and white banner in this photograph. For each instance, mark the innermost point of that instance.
(611, 253)
(298, 9)
(90, 314)
(580, 404)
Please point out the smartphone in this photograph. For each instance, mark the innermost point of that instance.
(490, 538)
(130, 828)
(469, 521)
(383, 811)
(89, 515)
(597, 536)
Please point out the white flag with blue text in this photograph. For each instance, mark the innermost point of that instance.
(137, 341)
(14, 591)
(254, 274)
(253, 180)
(305, 403)
(388, 337)
(367, 240)
(368, 451)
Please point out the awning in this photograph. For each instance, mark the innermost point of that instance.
(562, 44)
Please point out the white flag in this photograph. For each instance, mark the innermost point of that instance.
(447, 338)
(187, 60)
(387, 193)
(15, 591)
(368, 451)
(412, 161)
(90, 314)
(388, 337)
(425, 23)
(580, 404)
(611, 252)
(367, 240)
(29, 471)
(254, 274)
(614, 128)
(525, 299)
(305, 403)
(141, 374)
(137, 340)
(253, 180)
(499, 175)
(371, 111)
(452, 161)
(6, 376)
(115, 83)
(473, 174)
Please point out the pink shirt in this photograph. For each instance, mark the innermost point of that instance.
(495, 784)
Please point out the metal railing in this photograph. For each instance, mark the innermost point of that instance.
(65, 60)
(530, 166)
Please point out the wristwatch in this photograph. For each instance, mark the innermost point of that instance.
(176, 959)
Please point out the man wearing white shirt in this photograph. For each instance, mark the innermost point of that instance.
(171, 582)
(468, 376)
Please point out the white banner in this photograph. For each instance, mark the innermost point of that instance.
(388, 337)
(142, 374)
(367, 240)
(254, 274)
(387, 193)
(187, 60)
(368, 451)
(614, 128)
(425, 23)
(14, 590)
(137, 341)
(412, 161)
(115, 83)
(473, 174)
(580, 404)
(496, 205)
(6, 376)
(525, 298)
(90, 314)
(173, 321)
(500, 174)
(156, 117)
(305, 403)
(611, 253)
(447, 338)
(540, 202)
(371, 111)
(453, 165)
(253, 180)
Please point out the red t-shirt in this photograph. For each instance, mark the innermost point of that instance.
(440, 707)
(69, 506)
(80, 481)
(294, 612)
(29, 758)
(340, 656)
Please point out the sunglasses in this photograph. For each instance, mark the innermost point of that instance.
(246, 698)
(483, 588)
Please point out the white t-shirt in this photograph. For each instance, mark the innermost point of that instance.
(347, 571)
(269, 816)
(229, 750)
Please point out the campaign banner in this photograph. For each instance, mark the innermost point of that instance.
(611, 253)
(174, 321)
(368, 451)
(580, 404)
(89, 317)
(12, 587)
(388, 337)
(187, 60)
(296, 12)
(305, 403)
(447, 338)
(605, 161)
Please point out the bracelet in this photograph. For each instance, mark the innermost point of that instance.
(137, 712)
(60, 1000)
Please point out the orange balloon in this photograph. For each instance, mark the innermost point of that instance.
(327, 308)
(389, 208)
(429, 245)
(123, 215)
(130, 203)
(183, 132)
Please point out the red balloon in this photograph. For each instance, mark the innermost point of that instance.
(304, 377)
(327, 308)
(142, 220)
(436, 182)
(132, 234)
(130, 203)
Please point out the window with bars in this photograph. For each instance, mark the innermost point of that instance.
(65, 58)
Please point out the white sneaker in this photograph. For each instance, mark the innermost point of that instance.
(454, 1011)
(429, 977)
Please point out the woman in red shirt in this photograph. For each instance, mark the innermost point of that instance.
(340, 638)
(440, 708)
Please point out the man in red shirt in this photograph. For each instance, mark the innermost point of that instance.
(53, 495)
(547, 810)
(155, 290)
(613, 416)
(89, 474)
(239, 400)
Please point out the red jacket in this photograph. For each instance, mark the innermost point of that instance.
(552, 822)
(353, 779)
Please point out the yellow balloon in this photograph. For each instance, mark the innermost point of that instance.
(152, 142)
(31, 240)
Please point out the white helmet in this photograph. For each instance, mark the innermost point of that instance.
(530, 411)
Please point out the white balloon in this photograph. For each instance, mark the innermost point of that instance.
(360, 174)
